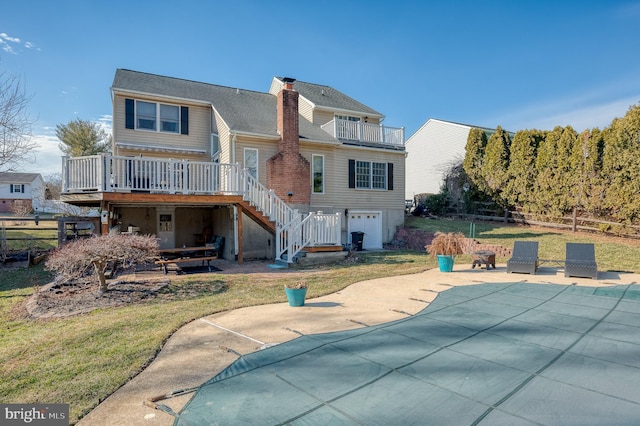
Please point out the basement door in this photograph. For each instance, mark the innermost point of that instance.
(369, 222)
(166, 227)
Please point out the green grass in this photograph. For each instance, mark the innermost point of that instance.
(612, 253)
(81, 360)
(30, 239)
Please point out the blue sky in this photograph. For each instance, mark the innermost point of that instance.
(519, 64)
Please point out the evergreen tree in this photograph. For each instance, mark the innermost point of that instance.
(474, 157)
(621, 167)
(586, 163)
(552, 191)
(496, 165)
(82, 137)
(522, 168)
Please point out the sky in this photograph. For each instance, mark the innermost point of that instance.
(519, 64)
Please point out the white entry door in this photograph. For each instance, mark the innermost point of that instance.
(166, 227)
(371, 224)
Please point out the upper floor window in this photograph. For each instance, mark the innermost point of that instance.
(156, 117)
(16, 187)
(169, 118)
(317, 164)
(215, 144)
(370, 175)
(145, 115)
(251, 161)
(347, 117)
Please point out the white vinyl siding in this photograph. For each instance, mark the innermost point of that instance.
(338, 197)
(430, 152)
(265, 149)
(305, 109)
(322, 117)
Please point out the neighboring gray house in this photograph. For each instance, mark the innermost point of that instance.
(431, 151)
(20, 188)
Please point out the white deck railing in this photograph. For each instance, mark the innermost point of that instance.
(107, 173)
(364, 132)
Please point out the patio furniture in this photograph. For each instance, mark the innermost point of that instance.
(524, 258)
(580, 261)
(484, 257)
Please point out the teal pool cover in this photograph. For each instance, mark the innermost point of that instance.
(488, 354)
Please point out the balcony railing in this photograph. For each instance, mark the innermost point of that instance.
(358, 131)
(107, 173)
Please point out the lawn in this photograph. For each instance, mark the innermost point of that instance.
(83, 359)
(612, 253)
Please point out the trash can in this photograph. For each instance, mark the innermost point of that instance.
(356, 238)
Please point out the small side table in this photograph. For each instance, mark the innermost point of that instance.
(484, 257)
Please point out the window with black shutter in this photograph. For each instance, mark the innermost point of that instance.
(129, 112)
(184, 120)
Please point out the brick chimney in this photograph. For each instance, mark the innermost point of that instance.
(288, 172)
(287, 116)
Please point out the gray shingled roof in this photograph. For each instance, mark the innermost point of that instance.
(243, 110)
(9, 177)
(328, 97)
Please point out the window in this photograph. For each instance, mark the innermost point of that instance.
(169, 118)
(251, 161)
(318, 173)
(156, 117)
(16, 187)
(348, 118)
(379, 175)
(215, 144)
(363, 174)
(370, 175)
(145, 115)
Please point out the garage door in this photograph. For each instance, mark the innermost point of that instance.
(371, 224)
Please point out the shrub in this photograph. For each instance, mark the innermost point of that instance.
(93, 255)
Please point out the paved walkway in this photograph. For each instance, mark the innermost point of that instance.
(203, 348)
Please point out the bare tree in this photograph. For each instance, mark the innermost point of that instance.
(93, 255)
(53, 186)
(16, 144)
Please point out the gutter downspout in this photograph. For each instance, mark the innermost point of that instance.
(236, 247)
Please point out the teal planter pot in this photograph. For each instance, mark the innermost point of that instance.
(296, 296)
(445, 262)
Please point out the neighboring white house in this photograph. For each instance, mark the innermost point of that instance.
(431, 151)
(20, 188)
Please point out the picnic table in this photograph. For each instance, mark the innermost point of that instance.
(185, 254)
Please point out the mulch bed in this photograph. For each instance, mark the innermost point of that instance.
(56, 300)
